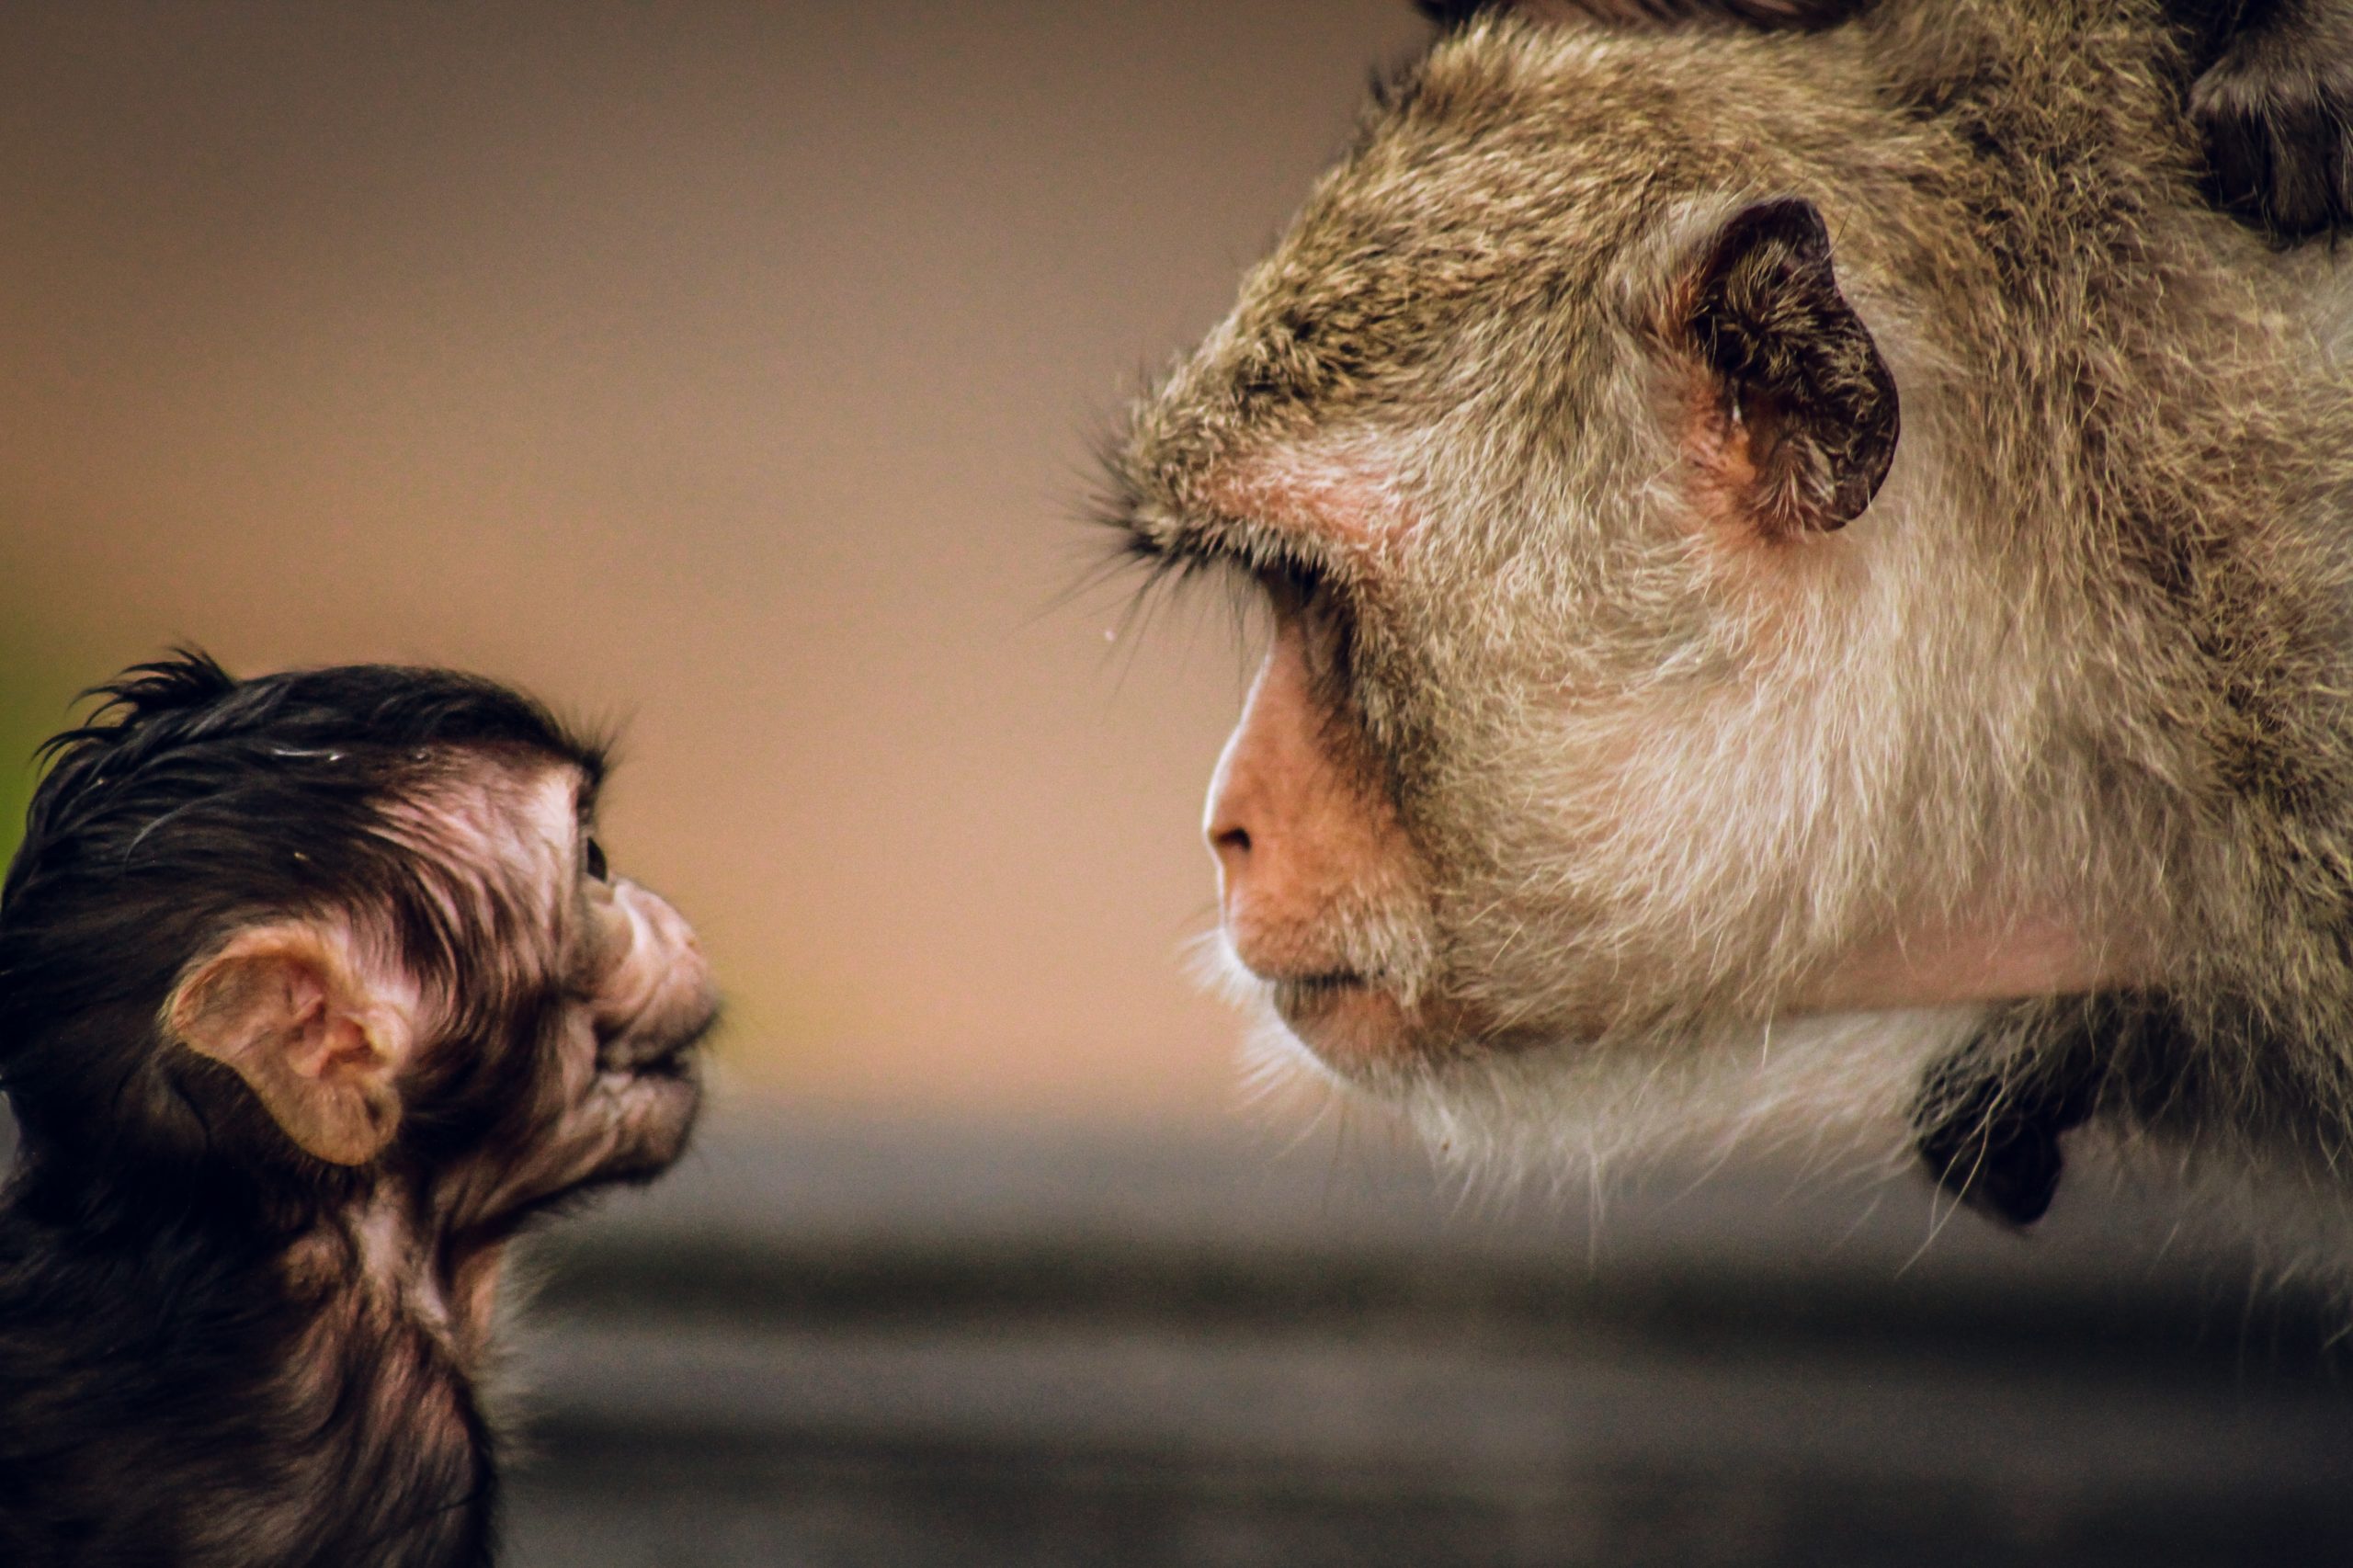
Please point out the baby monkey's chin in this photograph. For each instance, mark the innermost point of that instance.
(654, 1111)
(656, 1085)
(673, 1099)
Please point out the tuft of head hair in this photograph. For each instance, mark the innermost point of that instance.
(189, 804)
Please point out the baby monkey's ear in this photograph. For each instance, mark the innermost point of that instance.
(297, 1011)
(1791, 424)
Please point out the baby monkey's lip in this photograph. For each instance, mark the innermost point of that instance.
(671, 1058)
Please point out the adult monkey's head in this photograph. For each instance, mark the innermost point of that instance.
(1795, 562)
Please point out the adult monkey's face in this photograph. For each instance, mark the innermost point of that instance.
(1690, 630)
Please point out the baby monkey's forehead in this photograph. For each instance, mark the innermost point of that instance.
(512, 818)
(556, 803)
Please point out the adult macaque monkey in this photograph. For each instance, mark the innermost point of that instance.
(2271, 87)
(315, 989)
(1809, 586)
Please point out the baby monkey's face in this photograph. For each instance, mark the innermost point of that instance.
(350, 931)
(511, 1023)
(600, 1073)
(646, 1000)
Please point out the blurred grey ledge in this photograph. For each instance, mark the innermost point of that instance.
(821, 1342)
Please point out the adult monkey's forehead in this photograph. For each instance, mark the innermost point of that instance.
(1512, 203)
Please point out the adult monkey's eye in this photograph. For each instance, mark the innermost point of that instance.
(595, 856)
(1292, 586)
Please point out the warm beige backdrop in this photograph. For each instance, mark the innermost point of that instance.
(728, 369)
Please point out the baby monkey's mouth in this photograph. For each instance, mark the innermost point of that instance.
(670, 1054)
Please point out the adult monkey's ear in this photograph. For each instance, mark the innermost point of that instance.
(1763, 14)
(1793, 421)
(313, 1028)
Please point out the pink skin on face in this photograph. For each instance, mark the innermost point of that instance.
(1301, 843)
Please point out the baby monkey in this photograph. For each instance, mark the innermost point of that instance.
(314, 989)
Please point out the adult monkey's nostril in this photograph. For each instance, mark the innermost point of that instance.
(1248, 789)
(1230, 846)
(1237, 804)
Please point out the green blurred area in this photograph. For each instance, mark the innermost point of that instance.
(36, 693)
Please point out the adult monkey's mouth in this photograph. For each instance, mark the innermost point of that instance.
(1305, 991)
(1349, 1019)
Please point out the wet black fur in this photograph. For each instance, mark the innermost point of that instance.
(148, 1411)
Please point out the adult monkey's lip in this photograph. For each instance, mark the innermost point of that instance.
(1350, 1020)
(1306, 990)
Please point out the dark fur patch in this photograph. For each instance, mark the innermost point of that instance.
(1989, 1117)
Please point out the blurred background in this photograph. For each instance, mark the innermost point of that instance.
(729, 372)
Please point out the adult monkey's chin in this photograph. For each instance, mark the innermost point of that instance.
(1354, 1025)
(1364, 1032)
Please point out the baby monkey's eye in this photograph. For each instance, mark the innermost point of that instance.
(593, 855)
